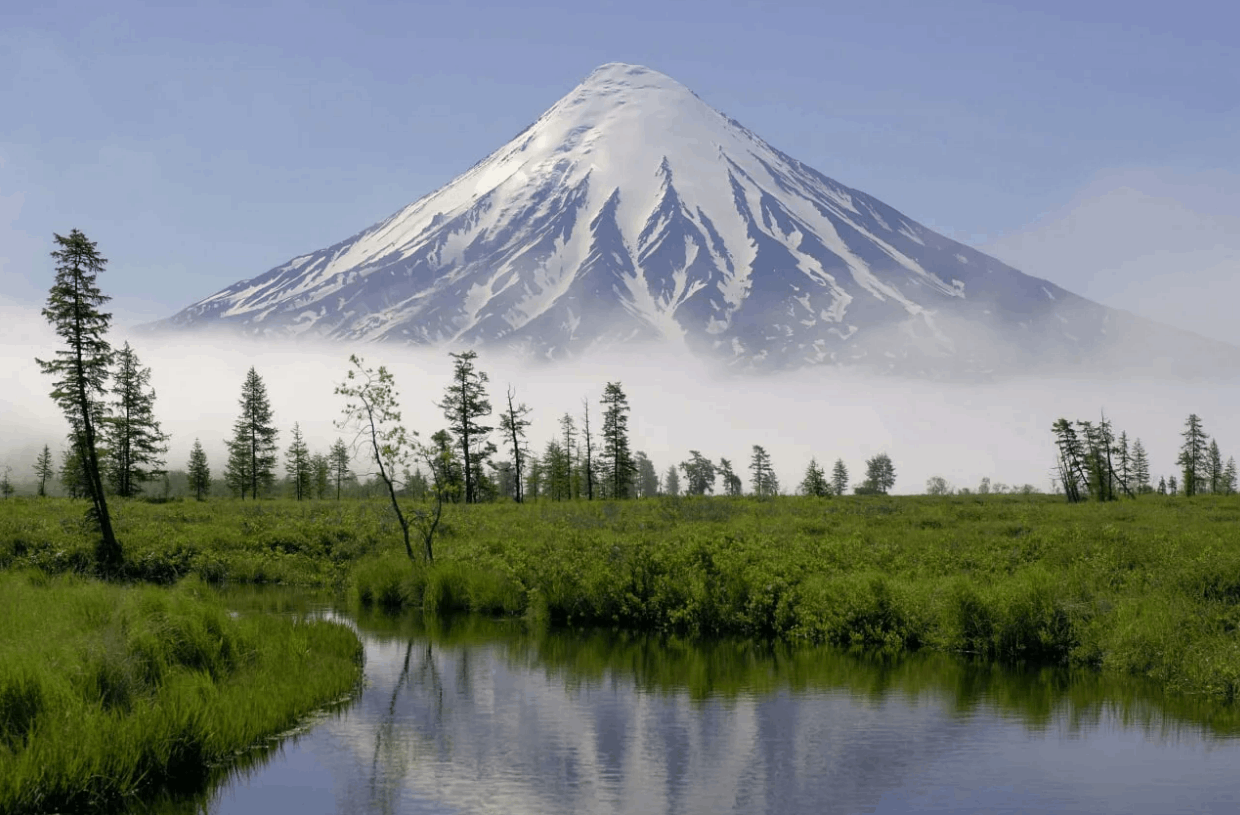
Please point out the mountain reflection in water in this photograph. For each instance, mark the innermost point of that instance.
(475, 716)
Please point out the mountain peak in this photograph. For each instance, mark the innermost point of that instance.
(632, 210)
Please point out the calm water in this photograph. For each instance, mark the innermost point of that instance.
(473, 716)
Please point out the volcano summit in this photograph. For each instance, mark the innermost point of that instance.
(630, 212)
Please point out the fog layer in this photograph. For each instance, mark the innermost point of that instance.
(963, 432)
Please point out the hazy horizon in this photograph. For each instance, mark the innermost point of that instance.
(963, 432)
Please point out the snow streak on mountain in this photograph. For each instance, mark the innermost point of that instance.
(633, 211)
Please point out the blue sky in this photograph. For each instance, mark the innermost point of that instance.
(200, 144)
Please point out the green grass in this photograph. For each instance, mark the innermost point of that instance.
(277, 542)
(1149, 588)
(107, 691)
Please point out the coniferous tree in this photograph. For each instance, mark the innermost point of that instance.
(699, 474)
(839, 477)
(1140, 469)
(731, 481)
(617, 453)
(297, 464)
(763, 478)
(252, 449)
(1162, 485)
(81, 370)
(512, 425)
(72, 474)
(43, 470)
(1172, 486)
(815, 481)
(136, 444)
(1124, 460)
(338, 460)
(568, 441)
(451, 473)
(1192, 458)
(1214, 468)
(671, 482)
(587, 467)
(6, 486)
(464, 404)
(647, 477)
(1229, 476)
(534, 478)
(1071, 460)
(199, 472)
(557, 470)
(237, 467)
(320, 475)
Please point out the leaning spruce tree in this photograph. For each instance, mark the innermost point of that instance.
(81, 370)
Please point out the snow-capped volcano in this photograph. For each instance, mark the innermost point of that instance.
(631, 210)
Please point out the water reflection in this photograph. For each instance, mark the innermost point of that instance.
(471, 715)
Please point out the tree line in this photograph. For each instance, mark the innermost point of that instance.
(116, 445)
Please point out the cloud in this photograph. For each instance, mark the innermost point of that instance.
(1159, 243)
(962, 432)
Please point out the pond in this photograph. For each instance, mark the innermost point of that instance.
(469, 715)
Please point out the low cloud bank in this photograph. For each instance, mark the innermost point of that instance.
(963, 432)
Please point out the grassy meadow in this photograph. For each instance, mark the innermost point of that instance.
(107, 690)
(1148, 588)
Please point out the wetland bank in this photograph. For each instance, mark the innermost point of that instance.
(1144, 592)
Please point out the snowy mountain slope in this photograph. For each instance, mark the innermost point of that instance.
(632, 211)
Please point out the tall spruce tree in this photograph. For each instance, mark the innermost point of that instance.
(43, 470)
(80, 371)
(252, 450)
(557, 468)
(568, 441)
(1214, 468)
(297, 464)
(1140, 469)
(1229, 476)
(464, 404)
(1192, 458)
(199, 472)
(616, 450)
(136, 444)
(762, 474)
(339, 459)
(839, 477)
(6, 486)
